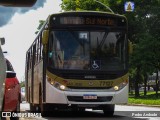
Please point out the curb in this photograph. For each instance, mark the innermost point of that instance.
(143, 105)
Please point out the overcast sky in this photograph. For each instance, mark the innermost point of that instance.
(18, 26)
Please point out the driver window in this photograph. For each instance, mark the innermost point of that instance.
(56, 55)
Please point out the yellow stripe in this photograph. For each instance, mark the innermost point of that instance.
(88, 83)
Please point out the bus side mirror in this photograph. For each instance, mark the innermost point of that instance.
(2, 41)
(18, 3)
(45, 37)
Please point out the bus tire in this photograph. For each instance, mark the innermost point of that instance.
(42, 107)
(108, 110)
(81, 109)
(32, 108)
(78, 109)
(43, 110)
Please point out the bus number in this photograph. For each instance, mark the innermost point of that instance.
(106, 83)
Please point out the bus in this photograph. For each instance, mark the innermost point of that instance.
(78, 60)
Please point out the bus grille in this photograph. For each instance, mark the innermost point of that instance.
(89, 88)
(99, 99)
(82, 76)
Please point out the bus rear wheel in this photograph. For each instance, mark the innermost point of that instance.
(108, 110)
(43, 110)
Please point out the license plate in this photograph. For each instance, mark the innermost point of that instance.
(90, 97)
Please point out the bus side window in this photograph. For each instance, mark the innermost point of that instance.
(41, 46)
(31, 57)
(28, 60)
(51, 50)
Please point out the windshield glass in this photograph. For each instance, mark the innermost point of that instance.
(87, 50)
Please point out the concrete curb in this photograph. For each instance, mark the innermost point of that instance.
(143, 105)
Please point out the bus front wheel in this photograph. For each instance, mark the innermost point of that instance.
(108, 110)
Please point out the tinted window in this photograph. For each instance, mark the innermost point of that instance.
(87, 50)
(9, 66)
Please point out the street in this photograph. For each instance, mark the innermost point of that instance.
(121, 112)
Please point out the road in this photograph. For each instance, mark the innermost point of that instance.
(121, 112)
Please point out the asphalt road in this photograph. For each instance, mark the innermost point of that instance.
(122, 112)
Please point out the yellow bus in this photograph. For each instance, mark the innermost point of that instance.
(78, 60)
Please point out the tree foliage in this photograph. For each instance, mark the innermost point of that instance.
(143, 31)
(41, 22)
(77, 5)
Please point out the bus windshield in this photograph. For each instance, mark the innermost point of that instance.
(87, 50)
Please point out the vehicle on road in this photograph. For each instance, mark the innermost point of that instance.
(152, 81)
(12, 95)
(15, 3)
(147, 88)
(78, 60)
(2, 73)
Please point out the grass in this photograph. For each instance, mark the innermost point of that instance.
(149, 99)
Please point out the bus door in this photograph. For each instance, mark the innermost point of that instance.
(26, 75)
(32, 73)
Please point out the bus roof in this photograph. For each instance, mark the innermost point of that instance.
(87, 13)
(77, 13)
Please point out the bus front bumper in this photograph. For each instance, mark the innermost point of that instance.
(56, 96)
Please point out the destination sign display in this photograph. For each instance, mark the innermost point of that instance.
(88, 21)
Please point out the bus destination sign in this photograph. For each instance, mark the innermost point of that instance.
(87, 21)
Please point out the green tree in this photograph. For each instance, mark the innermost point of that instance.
(142, 60)
(143, 31)
(78, 5)
(41, 22)
(22, 83)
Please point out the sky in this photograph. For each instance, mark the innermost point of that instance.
(18, 27)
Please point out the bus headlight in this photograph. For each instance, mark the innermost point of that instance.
(57, 84)
(116, 88)
(62, 87)
(120, 86)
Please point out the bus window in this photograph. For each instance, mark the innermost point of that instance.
(68, 50)
(77, 49)
(108, 48)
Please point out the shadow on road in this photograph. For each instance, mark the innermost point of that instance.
(87, 115)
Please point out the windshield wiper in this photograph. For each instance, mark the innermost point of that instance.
(103, 40)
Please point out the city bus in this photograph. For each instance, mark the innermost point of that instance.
(78, 60)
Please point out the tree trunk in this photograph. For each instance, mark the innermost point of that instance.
(136, 82)
(145, 84)
(131, 86)
(157, 84)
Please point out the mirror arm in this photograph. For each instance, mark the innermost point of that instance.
(18, 3)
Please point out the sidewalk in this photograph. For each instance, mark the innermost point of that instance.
(143, 105)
